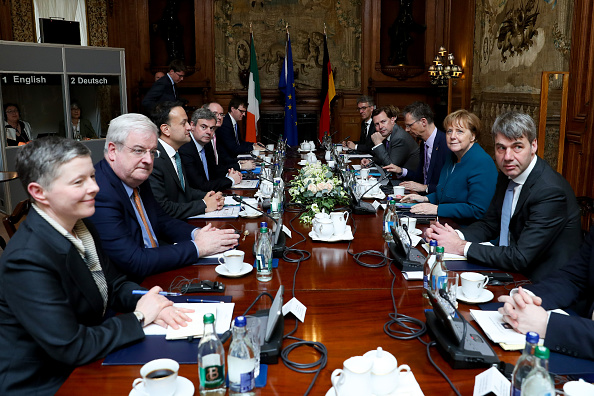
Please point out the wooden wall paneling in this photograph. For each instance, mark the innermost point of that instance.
(461, 43)
(129, 29)
(5, 21)
(579, 167)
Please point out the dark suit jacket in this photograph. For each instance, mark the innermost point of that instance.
(196, 176)
(121, 235)
(161, 91)
(168, 191)
(439, 153)
(571, 286)
(86, 129)
(227, 146)
(544, 229)
(404, 150)
(364, 145)
(464, 191)
(51, 311)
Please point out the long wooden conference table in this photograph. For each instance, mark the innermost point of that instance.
(347, 307)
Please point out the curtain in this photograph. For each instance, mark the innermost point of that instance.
(70, 10)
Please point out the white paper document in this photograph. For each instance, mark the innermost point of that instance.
(228, 212)
(358, 156)
(223, 313)
(229, 201)
(247, 184)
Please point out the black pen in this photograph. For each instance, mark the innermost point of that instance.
(199, 300)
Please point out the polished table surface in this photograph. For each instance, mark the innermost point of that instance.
(347, 307)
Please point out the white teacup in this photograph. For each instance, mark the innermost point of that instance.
(385, 372)
(375, 190)
(159, 378)
(339, 220)
(266, 187)
(270, 147)
(411, 222)
(311, 158)
(578, 388)
(248, 210)
(364, 173)
(398, 191)
(328, 155)
(338, 148)
(473, 284)
(256, 152)
(331, 164)
(354, 378)
(232, 260)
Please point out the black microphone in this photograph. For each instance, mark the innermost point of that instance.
(278, 243)
(405, 228)
(346, 138)
(359, 207)
(444, 295)
(260, 159)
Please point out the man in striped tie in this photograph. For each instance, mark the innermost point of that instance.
(533, 214)
(135, 231)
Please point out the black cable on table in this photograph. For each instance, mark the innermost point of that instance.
(373, 253)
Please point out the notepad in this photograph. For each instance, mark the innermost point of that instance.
(223, 313)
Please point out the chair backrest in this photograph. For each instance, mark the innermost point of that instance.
(19, 213)
(587, 209)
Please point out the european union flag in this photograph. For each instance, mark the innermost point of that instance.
(287, 85)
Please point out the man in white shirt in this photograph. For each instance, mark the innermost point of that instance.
(365, 106)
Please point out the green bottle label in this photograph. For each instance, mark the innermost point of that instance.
(212, 376)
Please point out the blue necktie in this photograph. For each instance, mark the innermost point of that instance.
(180, 173)
(506, 213)
(236, 138)
(387, 145)
(204, 164)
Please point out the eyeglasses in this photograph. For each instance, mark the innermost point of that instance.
(180, 75)
(363, 107)
(12, 111)
(242, 111)
(140, 152)
(411, 124)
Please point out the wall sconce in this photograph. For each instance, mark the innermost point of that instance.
(443, 68)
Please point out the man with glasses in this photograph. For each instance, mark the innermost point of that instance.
(138, 236)
(164, 89)
(418, 120)
(169, 179)
(229, 140)
(219, 113)
(365, 107)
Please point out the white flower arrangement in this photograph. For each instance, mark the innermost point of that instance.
(316, 187)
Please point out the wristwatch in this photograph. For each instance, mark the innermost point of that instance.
(427, 189)
(140, 316)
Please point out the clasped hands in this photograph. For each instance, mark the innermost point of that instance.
(523, 312)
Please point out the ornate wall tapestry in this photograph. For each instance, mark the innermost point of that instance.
(306, 20)
(514, 42)
(97, 22)
(23, 28)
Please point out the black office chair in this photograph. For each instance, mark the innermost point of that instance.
(587, 212)
(12, 221)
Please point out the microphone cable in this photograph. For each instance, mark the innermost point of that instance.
(372, 253)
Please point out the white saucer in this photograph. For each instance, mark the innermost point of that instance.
(347, 236)
(247, 216)
(380, 195)
(415, 231)
(302, 162)
(486, 296)
(245, 269)
(306, 151)
(185, 387)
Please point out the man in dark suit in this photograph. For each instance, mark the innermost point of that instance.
(198, 156)
(571, 286)
(56, 283)
(392, 144)
(243, 164)
(533, 212)
(365, 107)
(164, 89)
(229, 140)
(418, 119)
(135, 231)
(168, 179)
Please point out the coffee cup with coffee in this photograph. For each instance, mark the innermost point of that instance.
(232, 260)
(159, 378)
(398, 191)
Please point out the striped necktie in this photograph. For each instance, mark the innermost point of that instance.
(204, 164)
(144, 222)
